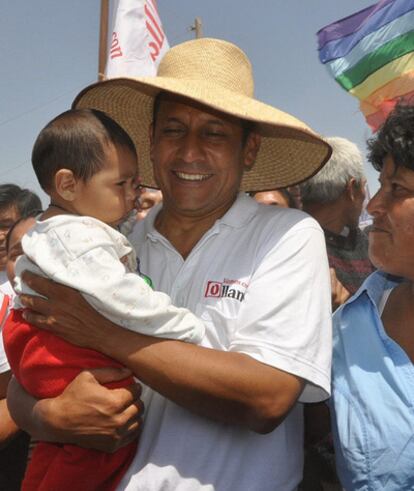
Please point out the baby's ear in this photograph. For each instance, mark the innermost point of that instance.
(65, 184)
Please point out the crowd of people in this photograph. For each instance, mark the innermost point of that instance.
(196, 353)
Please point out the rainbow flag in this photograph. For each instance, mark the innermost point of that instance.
(371, 55)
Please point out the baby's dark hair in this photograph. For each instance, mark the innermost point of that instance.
(395, 138)
(75, 140)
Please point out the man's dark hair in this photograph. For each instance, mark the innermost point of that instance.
(247, 126)
(23, 200)
(394, 138)
(76, 140)
(32, 214)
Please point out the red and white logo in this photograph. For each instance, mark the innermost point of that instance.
(213, 289)
(226, 289)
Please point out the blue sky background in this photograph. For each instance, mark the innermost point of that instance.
(50, 52)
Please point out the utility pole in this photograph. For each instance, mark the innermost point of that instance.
(197, 28)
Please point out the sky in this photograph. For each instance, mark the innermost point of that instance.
(50, 52)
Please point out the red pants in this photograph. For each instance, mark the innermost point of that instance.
(44, 365)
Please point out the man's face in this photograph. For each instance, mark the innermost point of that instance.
(199, 157)
(275, 197)
(8, 216)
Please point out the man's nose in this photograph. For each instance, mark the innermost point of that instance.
(191, 148)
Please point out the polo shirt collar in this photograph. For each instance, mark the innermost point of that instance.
(240, 213)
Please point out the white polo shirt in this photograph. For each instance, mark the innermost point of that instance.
(259, 280)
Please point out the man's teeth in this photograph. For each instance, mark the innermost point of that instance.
(192, 177)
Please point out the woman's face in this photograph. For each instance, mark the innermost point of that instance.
(391, 240)
(15, 245)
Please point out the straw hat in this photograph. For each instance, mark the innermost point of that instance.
(217, 74)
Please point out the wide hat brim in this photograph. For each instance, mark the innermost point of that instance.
(290, 152)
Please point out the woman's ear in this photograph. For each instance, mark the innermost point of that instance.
(65, 184)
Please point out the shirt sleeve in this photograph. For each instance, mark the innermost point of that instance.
(285, 320)
(104, 281)
(4, 364)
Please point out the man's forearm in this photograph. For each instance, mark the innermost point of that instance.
(30, 414)
(8, 428)
(226, 386)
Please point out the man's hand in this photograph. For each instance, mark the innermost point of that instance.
(339, 293)
(85, 414)
(64, 312)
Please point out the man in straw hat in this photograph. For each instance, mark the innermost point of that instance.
(223, 415)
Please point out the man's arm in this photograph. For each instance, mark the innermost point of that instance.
(339, 293)
(290, 330)
(85, 414)
(8, 428)
(225, 386)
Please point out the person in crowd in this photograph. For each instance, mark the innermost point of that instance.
(14, 242)
(87, 165)
(222, 415)
(334, 197)
(372, 402)
(14, 444)
(276, 197)
(15, 203)
(147, 199)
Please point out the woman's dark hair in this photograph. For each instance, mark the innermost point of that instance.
(22, 199)
(395, 138)
(76, 140)
(32, 214)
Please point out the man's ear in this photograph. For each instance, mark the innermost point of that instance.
(66, 184)
(353, 188)
(251, 149)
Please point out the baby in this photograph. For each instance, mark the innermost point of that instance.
(87, 165)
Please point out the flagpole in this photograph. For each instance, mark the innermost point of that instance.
(103, 38)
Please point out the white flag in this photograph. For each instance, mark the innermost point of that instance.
(138, 39)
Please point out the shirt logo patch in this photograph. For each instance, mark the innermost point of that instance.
(226, 288)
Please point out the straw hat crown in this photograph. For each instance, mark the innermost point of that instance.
(218, 75)
(193, 60)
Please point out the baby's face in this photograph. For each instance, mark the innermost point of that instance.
(15, 245)
(110, 194)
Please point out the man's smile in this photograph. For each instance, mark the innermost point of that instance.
(192, 177)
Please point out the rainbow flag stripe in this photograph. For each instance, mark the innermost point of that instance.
(371, 55)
